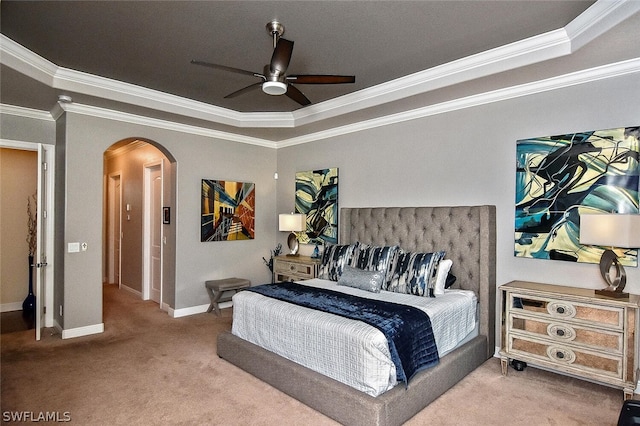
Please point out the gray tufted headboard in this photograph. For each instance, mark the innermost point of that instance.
(467, 233)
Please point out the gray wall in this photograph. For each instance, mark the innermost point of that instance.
(467, 157)
(24, 129)
(196, 158)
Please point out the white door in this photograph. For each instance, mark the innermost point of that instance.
(114, 234)
(41, 240)
(153, 232)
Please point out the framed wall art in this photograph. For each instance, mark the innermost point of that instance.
(317, 197)
(558, 178)
(227, 210)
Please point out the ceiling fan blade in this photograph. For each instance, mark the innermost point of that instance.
(321, 79)
(244, 90)
(281, 56)
(226, 68)
(296, 95)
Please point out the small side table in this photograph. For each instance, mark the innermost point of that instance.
(294, 268)
(216, 288)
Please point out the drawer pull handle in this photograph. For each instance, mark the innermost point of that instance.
(561, 331)
(560, 309)
(564, 355)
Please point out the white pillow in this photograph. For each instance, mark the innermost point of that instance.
(443, 270)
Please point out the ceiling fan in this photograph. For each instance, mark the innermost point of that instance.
(274, 80)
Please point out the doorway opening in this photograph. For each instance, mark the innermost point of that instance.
(139, 185)
(27, 179)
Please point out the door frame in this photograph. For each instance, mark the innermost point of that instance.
(146, 244)
(48, 274)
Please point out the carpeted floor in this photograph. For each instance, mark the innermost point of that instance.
(148, 368)
(13, 321)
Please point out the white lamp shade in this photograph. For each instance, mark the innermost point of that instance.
(610, 230)
(292, 222)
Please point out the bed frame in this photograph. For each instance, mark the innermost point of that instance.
(468, 234)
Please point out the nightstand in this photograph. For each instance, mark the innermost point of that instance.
(571, 331)
(294, 268)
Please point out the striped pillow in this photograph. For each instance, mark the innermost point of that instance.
(334, 258)
(372, 258)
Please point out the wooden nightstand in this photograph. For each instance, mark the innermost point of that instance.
(294, 268)
(571, 331)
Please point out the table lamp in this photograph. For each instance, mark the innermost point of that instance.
(611, 230)
(292, 222)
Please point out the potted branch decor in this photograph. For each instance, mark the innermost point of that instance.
(275, 252)
(29, 304)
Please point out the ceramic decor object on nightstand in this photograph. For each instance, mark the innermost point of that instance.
(571, 331)
(299, 268)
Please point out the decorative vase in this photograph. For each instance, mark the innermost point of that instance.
(29, 304)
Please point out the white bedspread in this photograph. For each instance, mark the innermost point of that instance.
(346, 350)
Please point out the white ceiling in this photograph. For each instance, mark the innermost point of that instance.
(135, 55)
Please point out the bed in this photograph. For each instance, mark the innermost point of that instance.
(467, 234)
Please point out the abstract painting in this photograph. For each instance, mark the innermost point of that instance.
(558, 178)
(227, 210)
(317, 197)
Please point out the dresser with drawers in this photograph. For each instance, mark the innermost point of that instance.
(294, 268)
(571, 331)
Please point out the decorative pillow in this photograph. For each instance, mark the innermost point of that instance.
(372, 258)
(441, 278)
(451, 279)
(364, 280)
(334, 258)
(415, 273)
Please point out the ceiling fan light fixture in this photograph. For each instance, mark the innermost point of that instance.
(274, 87)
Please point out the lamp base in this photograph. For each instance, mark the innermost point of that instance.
(292, 242)
(612, 293)
(615, 283)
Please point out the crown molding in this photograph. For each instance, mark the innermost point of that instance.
(124, 117)
(619, 69)
(597, 19)
(25, 112)
(525, 52)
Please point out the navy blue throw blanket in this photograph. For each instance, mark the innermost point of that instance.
(407, 329)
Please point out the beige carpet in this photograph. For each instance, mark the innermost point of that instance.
(148, 368)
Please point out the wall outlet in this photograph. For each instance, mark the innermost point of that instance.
(60, 310)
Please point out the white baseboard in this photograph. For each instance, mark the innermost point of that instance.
(10, 307)
(83, 331)
(193, 310)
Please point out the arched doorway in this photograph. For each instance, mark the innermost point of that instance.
(139, 187)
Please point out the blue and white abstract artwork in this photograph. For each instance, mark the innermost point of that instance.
(317, 197)
(560, 177)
